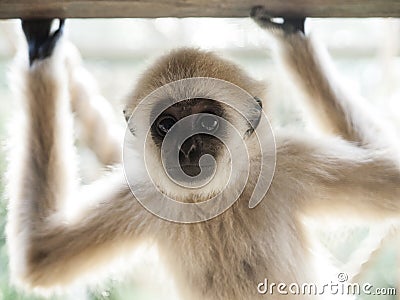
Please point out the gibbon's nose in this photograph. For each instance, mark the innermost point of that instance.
(188, 147)
(189, 156)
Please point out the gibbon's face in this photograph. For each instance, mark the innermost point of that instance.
(188, 113)
(190, 146)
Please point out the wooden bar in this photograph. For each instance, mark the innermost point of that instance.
(195, 8)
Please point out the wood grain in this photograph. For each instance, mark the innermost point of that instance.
(195, 8)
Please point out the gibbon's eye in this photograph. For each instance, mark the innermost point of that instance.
(164, 124)
(209, 122)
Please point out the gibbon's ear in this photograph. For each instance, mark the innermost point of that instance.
(126, 115)
(254, 116)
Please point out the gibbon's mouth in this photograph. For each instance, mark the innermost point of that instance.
(191, 170)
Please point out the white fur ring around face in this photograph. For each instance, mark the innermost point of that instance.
(146, 187)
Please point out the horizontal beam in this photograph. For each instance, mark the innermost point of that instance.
(194, 8)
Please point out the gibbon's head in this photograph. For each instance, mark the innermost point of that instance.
(184, 109)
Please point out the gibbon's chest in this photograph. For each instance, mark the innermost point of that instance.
(232, 253)
(220, 256)
(205, 258)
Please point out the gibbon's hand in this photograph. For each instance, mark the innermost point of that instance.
(41, 42)
(289, 26)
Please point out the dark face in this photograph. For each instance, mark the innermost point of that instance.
(194, 147)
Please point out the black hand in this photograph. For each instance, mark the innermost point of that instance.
(41, 42)
(290, 25)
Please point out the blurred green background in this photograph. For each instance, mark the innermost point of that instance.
(366, 52)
